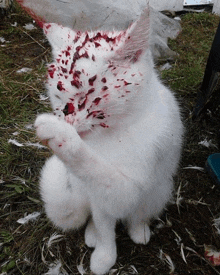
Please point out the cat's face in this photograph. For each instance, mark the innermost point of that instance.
(94, 75)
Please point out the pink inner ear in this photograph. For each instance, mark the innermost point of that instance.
(39, 20)
(137, 41)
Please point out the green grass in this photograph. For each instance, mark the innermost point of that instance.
(193, 46)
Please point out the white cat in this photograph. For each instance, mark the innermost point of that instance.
(116, 136)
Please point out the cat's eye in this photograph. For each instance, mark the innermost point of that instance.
(57, 97)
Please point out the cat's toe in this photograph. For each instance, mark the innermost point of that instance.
(140, 234)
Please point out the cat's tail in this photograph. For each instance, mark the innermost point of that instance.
(65, 204)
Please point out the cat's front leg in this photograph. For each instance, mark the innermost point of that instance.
(104, 255)
(57, 134)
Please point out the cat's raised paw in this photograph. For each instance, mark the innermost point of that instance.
(55, 132)
(46, 125)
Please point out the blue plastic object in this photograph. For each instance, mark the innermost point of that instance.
(213, 167)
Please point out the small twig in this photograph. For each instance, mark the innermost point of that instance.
(178, 198)
(17, 82)
(32, 38)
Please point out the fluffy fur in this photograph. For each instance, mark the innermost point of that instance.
(116, 136)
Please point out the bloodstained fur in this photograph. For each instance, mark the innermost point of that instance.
(69, 58)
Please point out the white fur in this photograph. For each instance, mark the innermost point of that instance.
(119, 170)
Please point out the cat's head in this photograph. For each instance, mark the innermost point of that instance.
(96, 75)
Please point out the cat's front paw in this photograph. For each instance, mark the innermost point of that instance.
(54, 132)
(103, 259)
(46, 126)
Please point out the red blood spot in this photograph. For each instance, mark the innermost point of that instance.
(60, 145)
(97, 100)
(96, 114)
(51, 71)
(48, 26)
(78, 48)
(104, 88)
(100, 115)
(105, 95)
(64, 70)
(60, 86)
(86, 40)
(69, 109)
(66, 62)
(76, 57)
(82, 106)
(126, 83)
(78, 34)
(92, 79)
(71, 68)
(85, 55)
(63, 61)
(104, 125)
(93, 57)
(98, 36)
(58, 60)
(97, 44)
(116, 87)
(76, 74)
(90, 91)
(104, 80)
(76, 83)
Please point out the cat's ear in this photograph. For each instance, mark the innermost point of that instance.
(57, 35)
(137, 39)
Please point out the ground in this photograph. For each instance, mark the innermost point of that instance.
(188, 225)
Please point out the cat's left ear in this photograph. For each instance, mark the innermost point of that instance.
(57, 35)
(137, 39)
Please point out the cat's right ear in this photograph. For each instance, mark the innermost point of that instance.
(57, 35)
(137, 40)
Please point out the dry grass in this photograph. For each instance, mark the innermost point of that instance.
(177, 244)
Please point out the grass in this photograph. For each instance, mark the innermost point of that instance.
(31, 248)
(193, 46)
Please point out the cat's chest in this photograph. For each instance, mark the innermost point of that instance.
(123, 149)
(113, 147)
